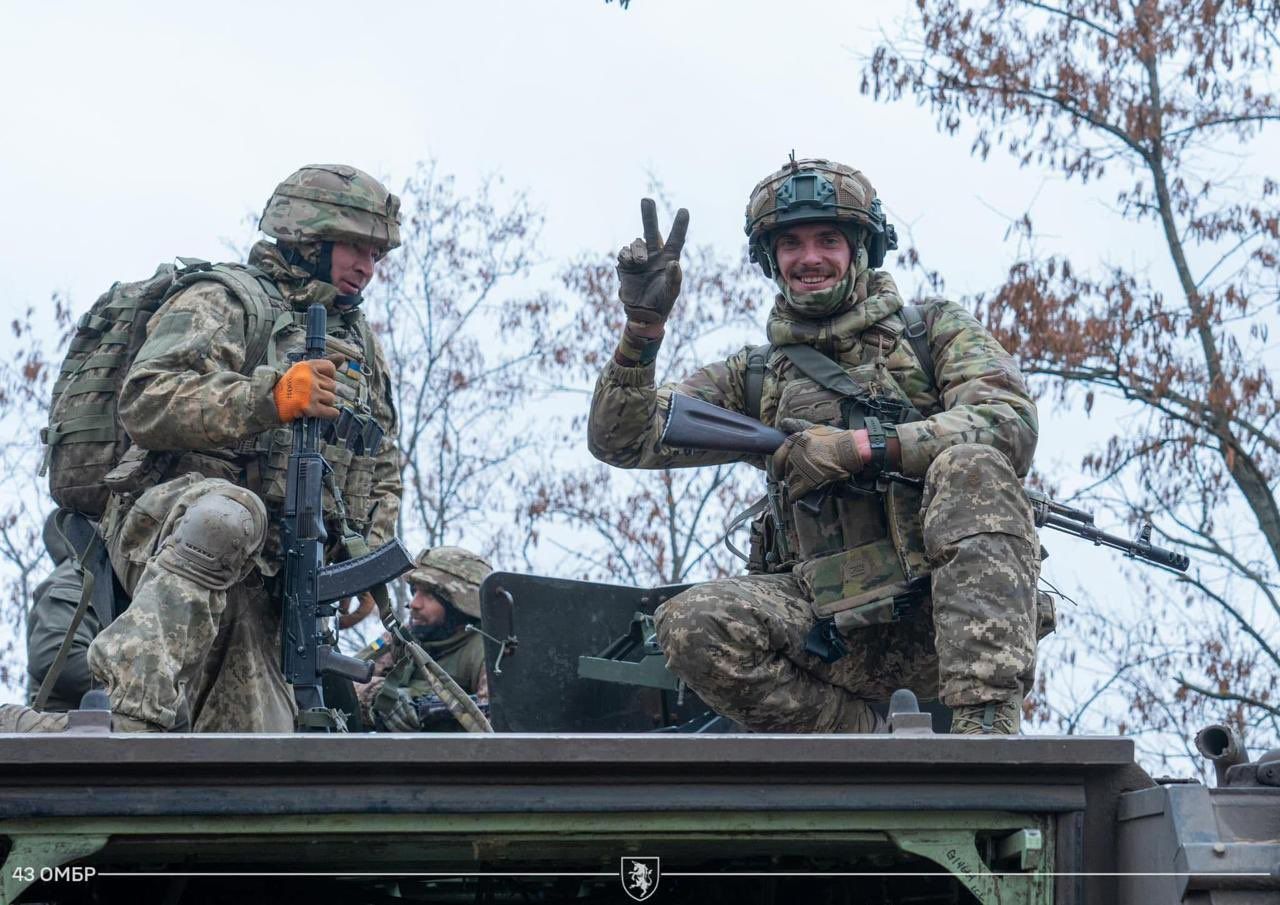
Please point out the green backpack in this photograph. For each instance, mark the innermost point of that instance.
(85, 439)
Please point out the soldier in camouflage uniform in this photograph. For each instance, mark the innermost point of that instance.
(445, 583)
(860, 588)
(194, 539)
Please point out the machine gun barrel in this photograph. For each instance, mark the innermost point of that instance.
(695, 424)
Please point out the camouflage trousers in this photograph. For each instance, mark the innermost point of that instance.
(199, 646)
(739, 643)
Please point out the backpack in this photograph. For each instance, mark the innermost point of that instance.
(85, 439)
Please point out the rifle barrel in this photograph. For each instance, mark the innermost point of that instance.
(1138, 549)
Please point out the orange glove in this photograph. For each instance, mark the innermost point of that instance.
(308, 388)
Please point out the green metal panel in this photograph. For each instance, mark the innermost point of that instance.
(951, 840)
(32, 851)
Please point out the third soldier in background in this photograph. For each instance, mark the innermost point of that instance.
(859, 587)
(445, 583)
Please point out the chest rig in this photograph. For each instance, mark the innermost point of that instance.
(856, 546)
(350, 443)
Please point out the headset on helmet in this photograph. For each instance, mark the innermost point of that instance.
(809, 190)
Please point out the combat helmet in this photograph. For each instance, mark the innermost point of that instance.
(332, 202)
(815, 189)
(453, 574)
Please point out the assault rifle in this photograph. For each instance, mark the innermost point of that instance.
(311, 588)
(694, 424)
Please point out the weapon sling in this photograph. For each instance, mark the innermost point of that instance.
(92, 558)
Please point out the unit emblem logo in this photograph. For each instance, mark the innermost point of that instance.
(640, 877)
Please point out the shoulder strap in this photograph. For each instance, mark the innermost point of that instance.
(752, 391)
(753, 385)
(357, 320)
(917, 334)
(745, 515)
(91, 554)
(258, 293)
(263, 303)
(823, 371)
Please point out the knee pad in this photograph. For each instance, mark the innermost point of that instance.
(215, 537)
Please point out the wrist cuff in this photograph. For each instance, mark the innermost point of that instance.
(636, 351)
(877, 436)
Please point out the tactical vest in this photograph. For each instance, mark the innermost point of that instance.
(84, 449)
(350, 444)
(859, 546)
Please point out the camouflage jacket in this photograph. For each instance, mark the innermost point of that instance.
(976, 395)
(187, 394)
(460, 655)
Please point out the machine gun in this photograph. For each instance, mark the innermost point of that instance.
(311, 589)
(694, 424)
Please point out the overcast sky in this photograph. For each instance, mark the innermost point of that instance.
(141, 131)
(135, 132)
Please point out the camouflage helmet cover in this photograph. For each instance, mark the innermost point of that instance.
(452, 573)
(810, 190)
(334, 202)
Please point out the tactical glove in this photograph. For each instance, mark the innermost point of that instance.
(649, 269)
(815, 455)
(396, 710)
(308, 388)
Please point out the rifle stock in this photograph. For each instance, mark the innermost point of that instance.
(695, 424)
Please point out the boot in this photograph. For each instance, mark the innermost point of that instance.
(122, 723)
(991, 718)
(17, 718)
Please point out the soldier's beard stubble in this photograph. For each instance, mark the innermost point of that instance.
(452, 623)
